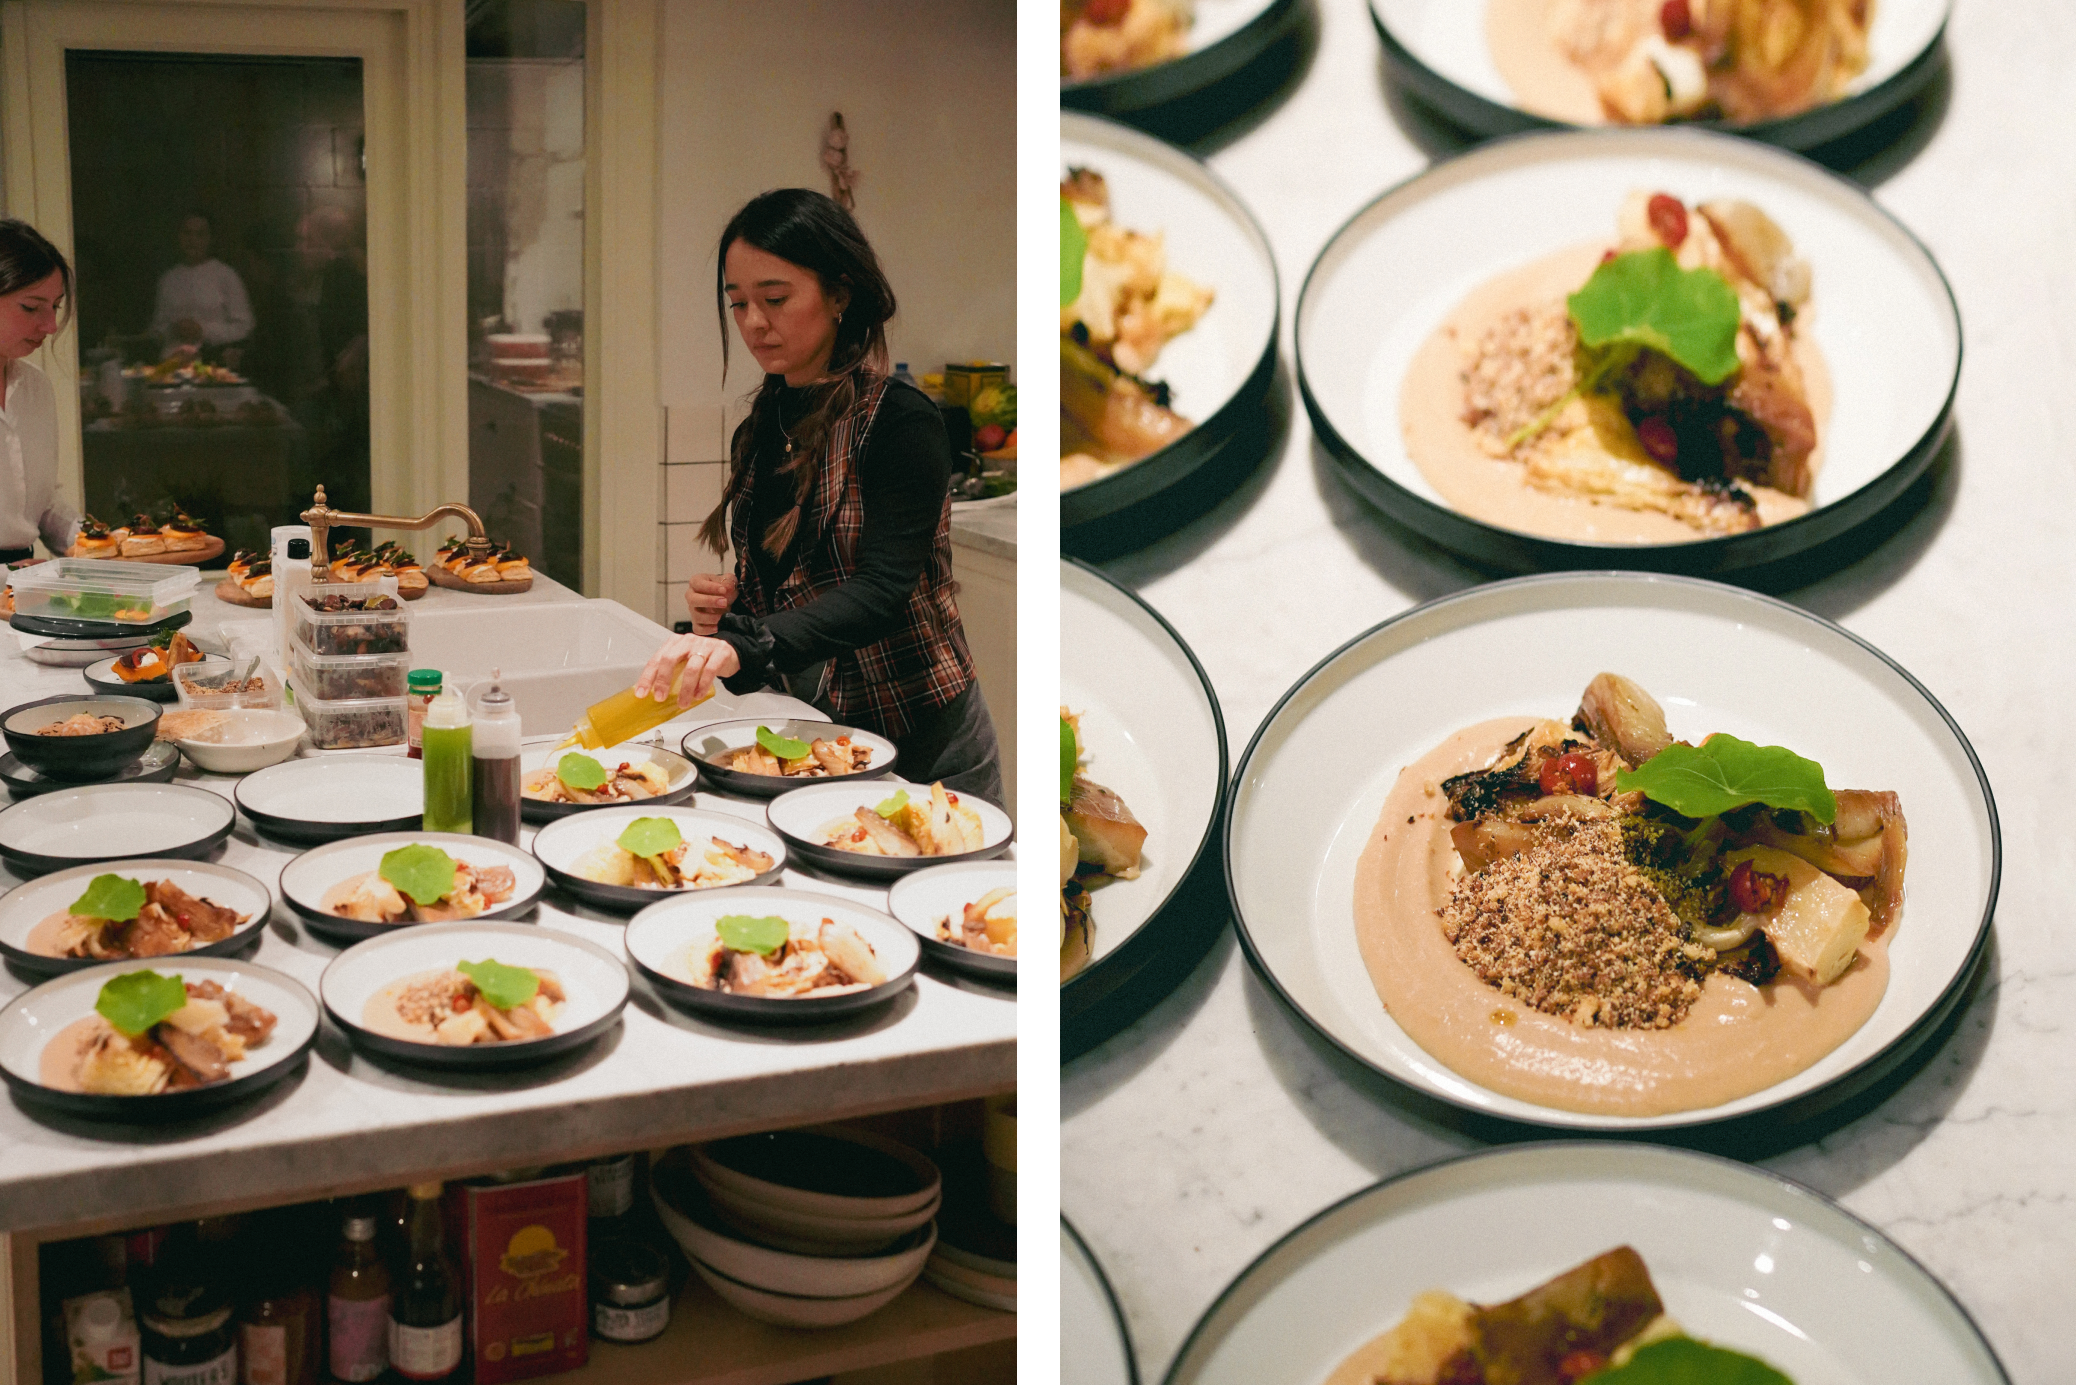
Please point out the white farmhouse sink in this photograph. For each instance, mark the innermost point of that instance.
(557, 657)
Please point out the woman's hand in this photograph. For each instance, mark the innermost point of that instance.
(704, 660)
(708, 597)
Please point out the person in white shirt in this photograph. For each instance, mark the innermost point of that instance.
(201, 301)
(35, 301)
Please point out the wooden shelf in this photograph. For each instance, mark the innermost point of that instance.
(709, 1343)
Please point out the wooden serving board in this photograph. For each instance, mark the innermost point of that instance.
(230, 591)
(445, 578)
(186, 557)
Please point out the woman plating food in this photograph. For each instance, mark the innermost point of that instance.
(35, 300)
(838, 504)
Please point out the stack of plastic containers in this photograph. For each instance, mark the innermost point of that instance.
(348, 667)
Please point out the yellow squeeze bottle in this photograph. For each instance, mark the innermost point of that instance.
(623, 716)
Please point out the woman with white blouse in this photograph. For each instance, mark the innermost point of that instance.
(35, 300)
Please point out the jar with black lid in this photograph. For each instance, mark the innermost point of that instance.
(189, 1338)
(630, 1292)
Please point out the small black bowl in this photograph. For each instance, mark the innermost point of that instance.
(80, 758)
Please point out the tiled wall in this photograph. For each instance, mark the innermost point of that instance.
(692, 483)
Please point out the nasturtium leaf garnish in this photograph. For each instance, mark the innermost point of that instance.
(501, 985)
(1073, 251)
(1070, 759)
(135, 1001)
(742, 933)
(651, 837)
(889, 806)
(110, 897)
(580, 772)
(1684, 1361)
(1724, 772)
(1644, 299)
(785, 747)
(423, 872)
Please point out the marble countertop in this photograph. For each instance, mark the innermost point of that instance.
(986, 525)
(659, 1077)
(1198, 1137)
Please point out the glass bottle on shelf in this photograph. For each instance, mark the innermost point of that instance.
(278, 1333)
(188, 1337)
(357, 1305)
(425, 1313)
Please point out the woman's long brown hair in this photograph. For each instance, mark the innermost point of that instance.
(812, 231)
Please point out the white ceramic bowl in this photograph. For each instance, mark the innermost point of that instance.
(721, 1166)
(687, 1215)
(921, 899)
(800, 816)
(784, 1229)
(563, 843)
(247, 739)
(787, 1310)
(327, 797)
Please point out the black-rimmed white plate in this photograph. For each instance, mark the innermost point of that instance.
(1441, 50)
(594, 985)
(1741, 1257)
(922, 899)
(804, 816)
(1152, 732)
(707, 742)
(307, 879)
(157, 765)
(112, 822)
(561, 846)
(661, 938)
(682, 778)
(326, 798)
(1095, 1347)
(1219, 370)
(1718, 659)
(101, 677)
(1224, 36)
(1880, 313)
(49, 897)
(38, 1016)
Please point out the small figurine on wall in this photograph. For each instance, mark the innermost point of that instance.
(836, 146)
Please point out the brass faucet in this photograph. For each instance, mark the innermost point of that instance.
(322, 519)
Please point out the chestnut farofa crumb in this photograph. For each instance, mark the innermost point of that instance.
(1571, 928)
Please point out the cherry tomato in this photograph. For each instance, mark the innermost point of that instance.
(1658, 439)
(1676, 18)
(1106, 13)
(1668, 217)
(1756, 892)
(1572, 772)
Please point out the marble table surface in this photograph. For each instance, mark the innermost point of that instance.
(661, 1076)
(1200, 1135)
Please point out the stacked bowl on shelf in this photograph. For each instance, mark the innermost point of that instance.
(814, 1227)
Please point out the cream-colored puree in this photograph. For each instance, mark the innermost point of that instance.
(47, 939)
(1544, 80)
(1496, 490)
(380, 1015)
(1738, 1038)
(58, 1068)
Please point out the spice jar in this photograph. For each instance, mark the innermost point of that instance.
(188, 1335)
(423, 685)
(630, 1292)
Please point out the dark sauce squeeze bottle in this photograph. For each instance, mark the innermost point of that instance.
(494, 768)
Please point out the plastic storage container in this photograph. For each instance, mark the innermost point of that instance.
(339, 677)
(204, 686)
(334, 633)
(350, 723)
(104, 589)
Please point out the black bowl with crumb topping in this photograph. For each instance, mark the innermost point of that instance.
(80, 758)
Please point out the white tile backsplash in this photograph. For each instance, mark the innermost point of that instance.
(691, 490)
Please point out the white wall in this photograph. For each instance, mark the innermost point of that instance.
(928, 93)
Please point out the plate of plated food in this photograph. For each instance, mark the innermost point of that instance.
(1787, 892)
(1131, 55)
(119, 911)
(624, 858)
(1168, 341)
(1798, 73)
(965, 915)
(1640, 1262)
(146, 671)
(1095, 1346)
(887, 827)
(161, 1038)
(1663, 349)
(556, 782)
(1147, 788)
(365, 886)
(770, 954)
(474, 995)
(112, 822)
(327, 798)
(763, 759)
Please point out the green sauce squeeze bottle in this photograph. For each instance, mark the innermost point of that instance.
(448, 807)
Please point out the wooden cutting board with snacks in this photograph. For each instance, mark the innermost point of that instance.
(179, 541)
(229, 592)
(503, 573)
